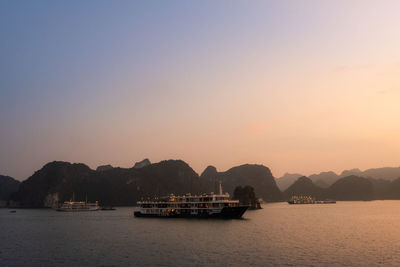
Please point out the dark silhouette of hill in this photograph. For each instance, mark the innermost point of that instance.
(287, 180)
(352, 188)
(381, 188)
(8, 186)
(305, 187)
(347, 188)
(104, 168)
(323, 179)
(141, 164)
(170, 176)
(58, 181)
(391, 190)
(246, 196)
(321, 183)
(354, 171)
(211, 175)
(54, 179)
(326, 177)
(385, 173)
(257, 176)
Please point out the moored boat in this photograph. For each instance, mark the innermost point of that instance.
(309, 200)
(79, 206)
(73, 205)
(302, 200)
(192, 206)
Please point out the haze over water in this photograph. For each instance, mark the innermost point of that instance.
(342, 234)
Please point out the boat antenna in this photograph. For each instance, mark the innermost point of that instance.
(86, 198)
(220, 188)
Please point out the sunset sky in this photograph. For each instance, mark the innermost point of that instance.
(299, 86)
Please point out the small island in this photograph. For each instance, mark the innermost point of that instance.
(247, 196)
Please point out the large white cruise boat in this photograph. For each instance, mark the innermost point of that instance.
(202, 206)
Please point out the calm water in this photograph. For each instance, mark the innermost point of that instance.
(345, 234)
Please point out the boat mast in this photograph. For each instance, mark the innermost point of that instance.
(220, 188)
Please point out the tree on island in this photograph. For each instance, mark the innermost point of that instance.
(247, 196)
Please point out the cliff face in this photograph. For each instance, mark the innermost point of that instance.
(8, 186)
(257, 176)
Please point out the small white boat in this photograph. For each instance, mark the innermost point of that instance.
(79, 206)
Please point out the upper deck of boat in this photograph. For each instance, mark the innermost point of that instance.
(188, 198)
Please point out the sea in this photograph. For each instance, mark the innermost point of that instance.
(343, 234)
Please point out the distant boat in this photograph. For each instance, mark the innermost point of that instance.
(13, 211)
(79, 206)
(309, 200)
(72, 206)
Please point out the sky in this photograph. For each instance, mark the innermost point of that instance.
(298, 86)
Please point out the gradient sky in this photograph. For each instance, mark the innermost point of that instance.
(299, 86)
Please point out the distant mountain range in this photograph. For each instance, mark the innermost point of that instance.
(58, 181)
(326, 179)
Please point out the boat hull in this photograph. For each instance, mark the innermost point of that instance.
(315, 202)
(76, 210)
(226, 213)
